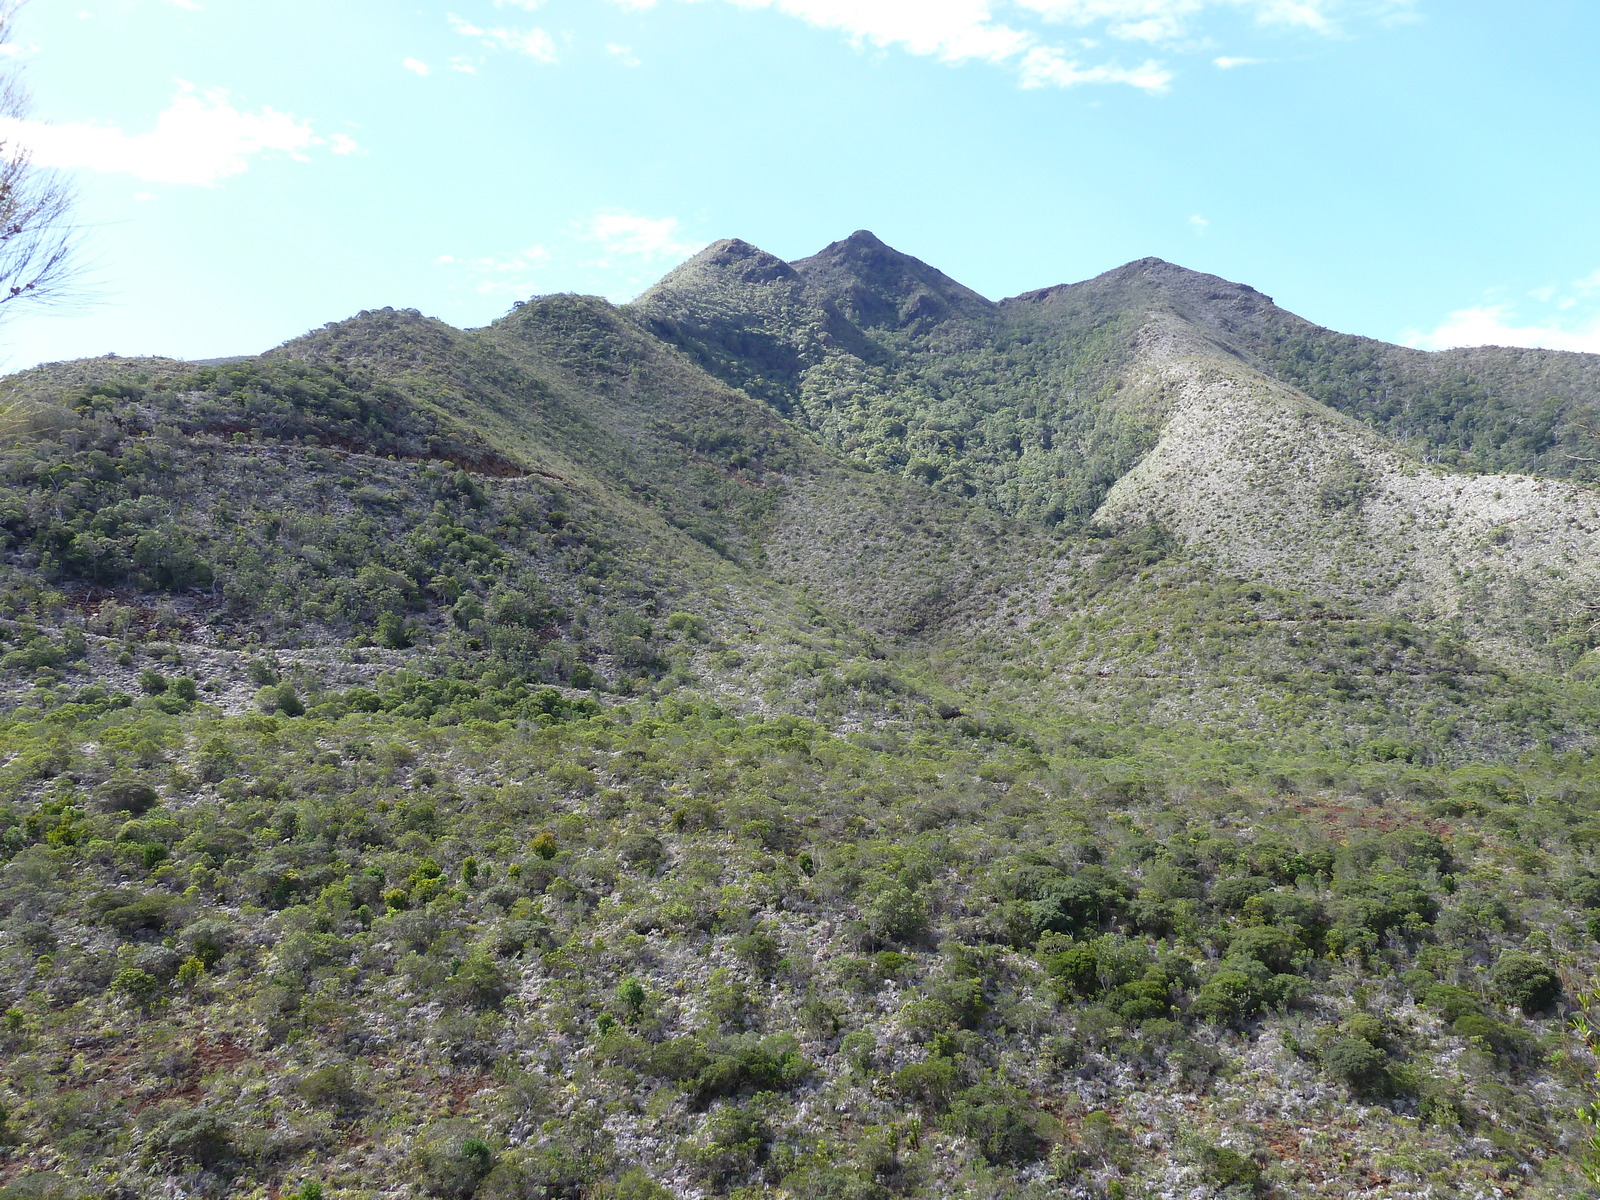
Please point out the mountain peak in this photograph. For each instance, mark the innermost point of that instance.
(752, 262)
(1155, 284)
(723, 262)
(865, 239)
(876, 285)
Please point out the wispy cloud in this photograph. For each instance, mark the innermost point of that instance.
(534, 43)
(1226, 63)
(613, 251)
(1045, 66)
(201, 138)
(626, 235)
(962, 31)
(1172, 20)
(623, 54)
(1498, 325)
(1199, 224)
(515, 274)
(1570, 321)
(416, 66)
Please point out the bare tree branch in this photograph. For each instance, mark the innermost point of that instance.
(37, 240)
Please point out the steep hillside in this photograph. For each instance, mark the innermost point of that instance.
(1277, 487)
(811, 734)
(1042, 405)
(1486, 408)
(905, 371)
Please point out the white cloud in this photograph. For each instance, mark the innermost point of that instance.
(1497, 325)
(959, 31)
(525, 5)
(535, 43)
(1573, 325)
(952, 30)
(623, 54)
(511, 274)
(1227, 64)
(190, 5)
(628, 235)
(463, 64)
(200, 138)
(416, 66)
(632, 250)
(1199, 224)
(1170, 20)
(515, 274)
(1045, 66)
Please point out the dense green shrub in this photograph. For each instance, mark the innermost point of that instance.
(452, 1162)
(202, 1136)
(733, 1145)
(931, 1083)
(833, 1183)
(896, 914)
(1228, 1169)
(128, 793)
(996, 1121)
(1360, 1064)
(1525, 981)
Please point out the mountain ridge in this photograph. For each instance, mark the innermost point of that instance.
(813, 733)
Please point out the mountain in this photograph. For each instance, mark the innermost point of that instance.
(811, 732)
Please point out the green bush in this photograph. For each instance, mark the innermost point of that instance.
(1227, 1168)
(631, 998)
(128, 793)
(1525, 981)
(931, 1083)
(997, 1122)
(748, 1063)
(1233, 994)
(1359, 1063)
(896, 914)
(1451, 1002)
(1232, 893)
(636, 1185)
(555, 1171)
(733, 1145)
(1269, 945)
(281, 699)
(329, 1087)
(479, 982)
(451, 1162)
(132, 913)
(138, 986)
(833, 1183)
(202, 1136)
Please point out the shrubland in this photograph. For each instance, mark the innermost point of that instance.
(523, 763)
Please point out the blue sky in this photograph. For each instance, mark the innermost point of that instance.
(1415, 170)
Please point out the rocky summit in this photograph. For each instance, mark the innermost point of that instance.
(813, 733)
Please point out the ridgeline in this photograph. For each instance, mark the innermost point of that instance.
(813, 732)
